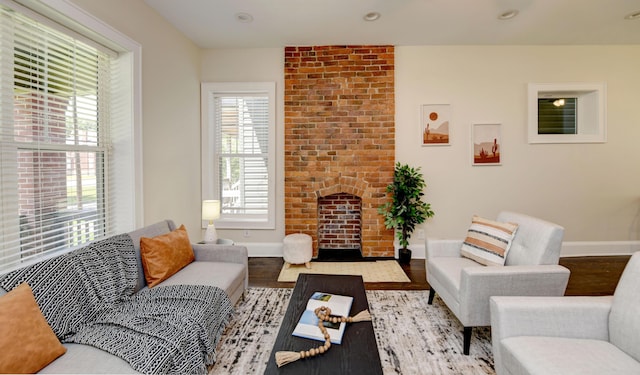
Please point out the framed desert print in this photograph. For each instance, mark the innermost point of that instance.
(487, 143)
(435, 121)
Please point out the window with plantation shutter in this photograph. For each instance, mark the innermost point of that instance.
(238, 162)
(55, 139)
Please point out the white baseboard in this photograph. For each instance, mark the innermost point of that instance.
(599, 248)
(569, 249)
(263, 249)
(418, 251)
(573, 248)
(274, 249)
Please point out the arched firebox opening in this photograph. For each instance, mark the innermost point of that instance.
(340, 227)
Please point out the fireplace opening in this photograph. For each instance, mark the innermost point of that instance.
(339, 227)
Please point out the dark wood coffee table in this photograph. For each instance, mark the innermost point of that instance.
(358, 353)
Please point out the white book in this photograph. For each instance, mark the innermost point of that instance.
(307, 326)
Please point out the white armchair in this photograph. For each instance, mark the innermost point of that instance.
(570, 335)
(531, 269)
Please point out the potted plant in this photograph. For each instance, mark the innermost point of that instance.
(406, 209)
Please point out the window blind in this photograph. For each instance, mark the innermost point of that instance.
(242, 148)
(54, 140)
(557, 116)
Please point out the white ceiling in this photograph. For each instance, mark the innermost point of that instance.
(278, 23)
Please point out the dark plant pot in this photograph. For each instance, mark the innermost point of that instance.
(404, 256)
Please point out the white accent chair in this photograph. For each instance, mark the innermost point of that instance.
(531, 268)
(570, 335)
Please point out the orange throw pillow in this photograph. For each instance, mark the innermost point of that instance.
(164, 255)
(27, 342)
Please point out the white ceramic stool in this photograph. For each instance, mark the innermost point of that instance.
(297, 249)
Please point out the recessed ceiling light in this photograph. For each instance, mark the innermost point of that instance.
(371, 16)
(633, 16)
(509, 14)
(244, 17)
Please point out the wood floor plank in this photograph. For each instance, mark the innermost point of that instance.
(590, 276)
(594, 275)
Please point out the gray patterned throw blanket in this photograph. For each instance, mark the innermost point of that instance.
(87, 297)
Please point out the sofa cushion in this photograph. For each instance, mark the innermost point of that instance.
(86, 359)
(27, 342)
(488, 241)
(227, 276)
(562, 356)
(537, 241)
(164, 255)
(156, 229)
(447, 271)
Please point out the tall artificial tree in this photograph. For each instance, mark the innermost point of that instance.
(406, 208)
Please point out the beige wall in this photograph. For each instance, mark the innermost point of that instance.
(591, 189)
(254, 65)
(171, 110)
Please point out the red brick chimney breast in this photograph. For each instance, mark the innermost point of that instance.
(339, 136)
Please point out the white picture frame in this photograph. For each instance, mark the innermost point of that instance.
(486, 144)
(435, 125)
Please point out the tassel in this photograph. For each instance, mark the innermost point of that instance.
(362, 316)
(283, 358)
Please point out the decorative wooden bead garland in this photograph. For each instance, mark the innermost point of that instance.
(323, 313)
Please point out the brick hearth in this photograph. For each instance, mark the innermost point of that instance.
(339, 136)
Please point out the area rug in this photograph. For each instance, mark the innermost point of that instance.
(371, 271)
(412, 336)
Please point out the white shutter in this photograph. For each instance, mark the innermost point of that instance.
(242, 145)
(238, 155)
(54, 140)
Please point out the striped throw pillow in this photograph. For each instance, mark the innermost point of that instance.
(488, 241)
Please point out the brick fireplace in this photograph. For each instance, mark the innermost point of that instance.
(339, 142)
(339, 223)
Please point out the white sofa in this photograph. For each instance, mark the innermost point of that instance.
(222, 266)
(570, 335)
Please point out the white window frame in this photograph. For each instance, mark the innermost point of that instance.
(127, 143)
(126, 183)
(591, 114)
(210, 185)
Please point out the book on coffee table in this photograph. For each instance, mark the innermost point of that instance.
(307, 326)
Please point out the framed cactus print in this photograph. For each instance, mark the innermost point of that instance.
(435, 122)
(486, 144)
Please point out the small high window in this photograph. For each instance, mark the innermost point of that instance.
(557, 116)
(567, 113)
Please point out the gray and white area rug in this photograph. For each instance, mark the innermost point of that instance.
(413, 337)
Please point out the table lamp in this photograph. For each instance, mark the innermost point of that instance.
(210, 212)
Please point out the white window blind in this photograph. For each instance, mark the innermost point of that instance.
(241, 124)
(54, 140)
